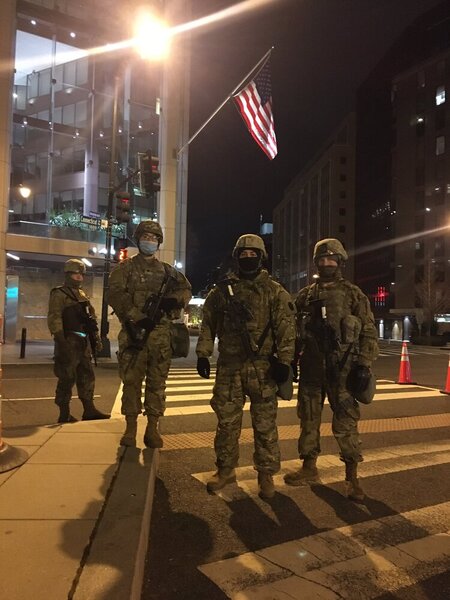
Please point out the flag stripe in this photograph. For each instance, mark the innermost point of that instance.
(254, 103)
(262, 132)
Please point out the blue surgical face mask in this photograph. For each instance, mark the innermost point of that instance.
(148, 248)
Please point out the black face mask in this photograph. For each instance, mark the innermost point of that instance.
(249, 265)
(327, 273)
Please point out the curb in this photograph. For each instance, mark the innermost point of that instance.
(114, 566)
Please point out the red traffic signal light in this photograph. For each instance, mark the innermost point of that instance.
(149, 173)
(123, 207)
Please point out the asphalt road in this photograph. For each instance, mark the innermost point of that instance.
(199, 542)
(192, 531)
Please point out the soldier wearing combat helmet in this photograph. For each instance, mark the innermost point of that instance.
(132, 284)
(253, 318)
(337, 344)
(73, 324)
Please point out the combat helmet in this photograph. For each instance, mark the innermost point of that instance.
(329, 247)
(149, 227)
(249, 241)
(73, 265)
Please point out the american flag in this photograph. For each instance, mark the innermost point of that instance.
(255, 105)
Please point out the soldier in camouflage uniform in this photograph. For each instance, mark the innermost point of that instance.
(253, 317)
(130, 285)
(337, 335)
(73, 324)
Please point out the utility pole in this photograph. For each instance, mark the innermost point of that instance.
(104, 325)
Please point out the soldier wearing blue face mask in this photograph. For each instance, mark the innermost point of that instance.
(131, 284)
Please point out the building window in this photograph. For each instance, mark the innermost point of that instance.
(420, 126)
(440, 145)
(418, 274)
(440, 118)
(342, 212)
(440, 95)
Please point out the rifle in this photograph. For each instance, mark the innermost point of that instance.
(139, 335)
(91, 329)
(240, 315)
(329, 343)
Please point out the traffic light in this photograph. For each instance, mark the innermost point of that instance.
(150, 177)
(123, 207)
(121, 250)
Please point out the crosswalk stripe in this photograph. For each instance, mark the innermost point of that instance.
(355, 561)
(375, 463)
(202, 409)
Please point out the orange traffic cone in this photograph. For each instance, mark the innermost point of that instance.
(404, 374)
(447, 383)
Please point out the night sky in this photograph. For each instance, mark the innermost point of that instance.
(324, 49)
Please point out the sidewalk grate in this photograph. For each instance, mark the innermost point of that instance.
(205, 439)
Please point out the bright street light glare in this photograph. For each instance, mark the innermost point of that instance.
(24, 191)
(87, 262)
(151, 37)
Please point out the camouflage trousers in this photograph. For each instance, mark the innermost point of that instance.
(233, 383)
(313, 388)
(150, 364)
(73, 367)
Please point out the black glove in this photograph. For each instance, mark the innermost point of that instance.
(203, 367)
(168, 304)
(358, 379)
(145, 323)
(280, 372)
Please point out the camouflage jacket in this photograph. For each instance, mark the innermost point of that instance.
(349, 314)
(135, 279)
(268, 305)
(61, 298)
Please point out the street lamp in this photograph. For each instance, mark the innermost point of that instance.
(151, 37)
(24, 191)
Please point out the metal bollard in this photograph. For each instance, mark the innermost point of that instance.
(23, 342)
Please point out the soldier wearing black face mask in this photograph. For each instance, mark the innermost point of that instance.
(336, 337)
(253, 318)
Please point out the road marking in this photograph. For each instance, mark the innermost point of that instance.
(116, 409)
(389, 460)
(282, 404)
(40, 398)
(363, 560)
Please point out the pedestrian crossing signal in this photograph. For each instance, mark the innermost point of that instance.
(123, 254)
(149, 177)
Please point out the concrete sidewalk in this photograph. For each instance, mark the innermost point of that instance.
(74, 518)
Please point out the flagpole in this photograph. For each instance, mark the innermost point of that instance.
(263, 60)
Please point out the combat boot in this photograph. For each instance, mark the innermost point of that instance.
(266, 487)
(220, 479)
(90, 413)
(308, 473)
(152, 439)
(354, 490)
(129, 437)
(65, 416)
